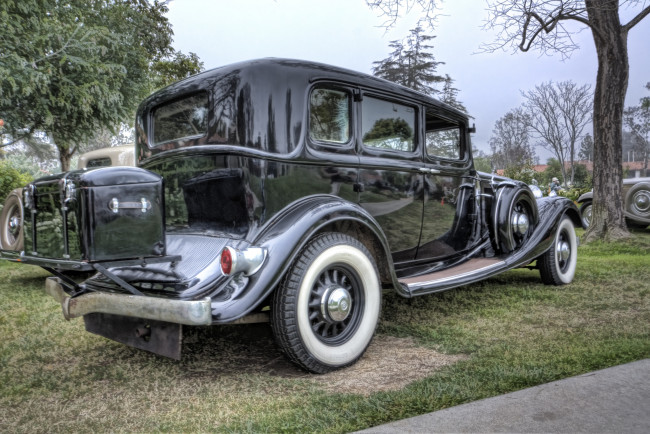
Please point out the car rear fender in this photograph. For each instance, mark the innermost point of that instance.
(284, 237)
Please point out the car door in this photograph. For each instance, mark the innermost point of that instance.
(390, 177)
(449, 216)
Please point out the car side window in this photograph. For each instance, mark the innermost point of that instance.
(329, 115)
(387, 125)
(442, 137)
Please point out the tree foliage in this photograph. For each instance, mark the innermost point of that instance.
(174, 68)
(559, 113)
(510, 141)
(71, 68)
(411, 63)
(637, 122)
(586, 151)
(10, 178)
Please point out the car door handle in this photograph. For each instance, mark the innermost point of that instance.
(428, 170)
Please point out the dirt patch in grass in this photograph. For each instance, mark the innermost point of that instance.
(390, 363)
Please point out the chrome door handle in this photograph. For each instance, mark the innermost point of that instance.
(429, 170)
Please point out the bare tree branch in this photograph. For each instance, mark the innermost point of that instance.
(637, 19)
(393, 10)
(540, 24)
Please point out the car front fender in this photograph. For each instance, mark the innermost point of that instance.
(551, 211)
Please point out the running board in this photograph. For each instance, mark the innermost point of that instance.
(468, 272)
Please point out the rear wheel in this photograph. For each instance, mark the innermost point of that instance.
(558, 265)
(325, 312)
(11, 221)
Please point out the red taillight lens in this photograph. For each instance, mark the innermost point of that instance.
(226, 261)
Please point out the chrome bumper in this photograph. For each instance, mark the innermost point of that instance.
(189, 312)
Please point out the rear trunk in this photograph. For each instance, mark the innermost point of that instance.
(99, 215)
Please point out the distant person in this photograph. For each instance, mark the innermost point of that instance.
(555, 185)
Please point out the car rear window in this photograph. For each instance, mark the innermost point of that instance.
(99, 162)
(181, 119)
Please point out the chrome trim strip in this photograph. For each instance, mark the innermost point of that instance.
(189, 312)
(417, 285)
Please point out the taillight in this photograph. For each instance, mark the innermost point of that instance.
(246, 261)
(226, 261)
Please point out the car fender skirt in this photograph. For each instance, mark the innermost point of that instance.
(189, 312)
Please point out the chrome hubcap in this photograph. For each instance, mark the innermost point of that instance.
(520, 222)
(14, 225)
(563, 250)
(336, 304)
(641, 201)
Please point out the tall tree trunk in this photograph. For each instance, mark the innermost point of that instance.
(65, 156)
(608, 222)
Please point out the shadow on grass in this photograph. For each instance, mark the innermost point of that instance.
(237, 349)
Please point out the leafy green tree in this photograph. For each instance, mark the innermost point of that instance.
(553, 170)
(174, 68)
(10, 178)
(581, 177)
(522, 172)
(70, 69)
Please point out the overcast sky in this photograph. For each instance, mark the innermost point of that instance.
(347, 33)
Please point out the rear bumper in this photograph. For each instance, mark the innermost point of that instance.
(188, 312)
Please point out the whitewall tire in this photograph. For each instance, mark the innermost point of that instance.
(325, 312)
(558, 265)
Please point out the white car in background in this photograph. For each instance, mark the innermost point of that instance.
(11, 218)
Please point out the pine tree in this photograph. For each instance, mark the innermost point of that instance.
(411, 64)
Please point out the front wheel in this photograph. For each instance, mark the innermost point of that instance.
(325, 312)
(558, 265)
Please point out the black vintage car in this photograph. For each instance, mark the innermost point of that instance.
(291, 192)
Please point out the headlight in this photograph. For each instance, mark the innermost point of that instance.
(28, 196)
(69, 191)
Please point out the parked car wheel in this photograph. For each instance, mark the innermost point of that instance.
(637, 203)
(325, 312)
(558, 265)
(11, 221)
(585, 214)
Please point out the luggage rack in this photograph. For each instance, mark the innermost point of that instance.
(56, 267)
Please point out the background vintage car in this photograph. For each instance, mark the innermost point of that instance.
(636, 205)
(11, 217)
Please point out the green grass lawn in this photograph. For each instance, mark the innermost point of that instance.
(514, 331)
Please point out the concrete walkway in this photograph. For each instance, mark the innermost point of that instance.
(614, 400)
